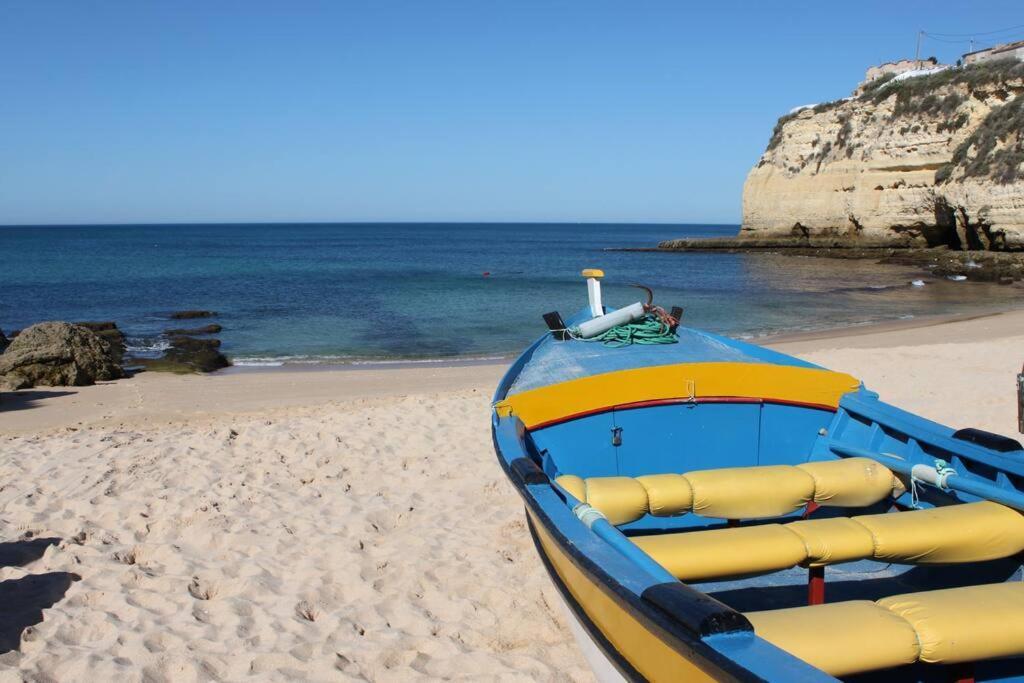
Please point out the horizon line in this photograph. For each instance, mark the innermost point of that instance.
(435, 222)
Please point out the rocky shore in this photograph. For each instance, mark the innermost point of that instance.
(1004, 267)
(60, 353)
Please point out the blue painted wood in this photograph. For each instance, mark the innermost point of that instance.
(552, 361)
(582, 447)
(685, 437)
(788, 433)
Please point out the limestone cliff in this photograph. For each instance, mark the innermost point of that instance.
(926, 161)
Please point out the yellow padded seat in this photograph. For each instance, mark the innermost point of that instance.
(964, 624)
(842, 638)
(851, 482)
(700, 555)
(833, 540)
(750, 492)
(736, 492)
(667, 494)
(574, 485)
(970, 532)
(621, 499)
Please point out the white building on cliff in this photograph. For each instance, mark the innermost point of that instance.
(1005, 51)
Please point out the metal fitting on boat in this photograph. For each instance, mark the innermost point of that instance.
(936, 476)
(588, 514)
(1020, 402)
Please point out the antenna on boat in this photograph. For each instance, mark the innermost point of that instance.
(594, 276)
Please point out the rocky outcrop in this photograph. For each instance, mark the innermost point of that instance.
(56, 354)
(188, 354)
(3, 341)
(927, 161)
(108, 332)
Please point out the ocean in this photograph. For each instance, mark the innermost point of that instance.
(355, 293)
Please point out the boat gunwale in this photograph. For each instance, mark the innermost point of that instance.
(667, 629)
(663, 625)
(654, 402)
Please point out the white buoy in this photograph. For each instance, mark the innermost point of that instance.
(596, 326)
(594, 276)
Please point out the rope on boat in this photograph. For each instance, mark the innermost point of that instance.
(653, 328)
(942, 472)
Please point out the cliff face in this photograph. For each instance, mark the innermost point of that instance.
(932, 160)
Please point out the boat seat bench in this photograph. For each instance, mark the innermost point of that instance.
(738, 492)
(950, 626)
(968, 532)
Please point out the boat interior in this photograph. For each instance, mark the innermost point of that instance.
(864, 540)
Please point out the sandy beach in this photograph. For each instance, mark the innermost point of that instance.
(335, 524)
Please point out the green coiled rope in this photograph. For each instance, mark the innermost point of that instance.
(648, 330)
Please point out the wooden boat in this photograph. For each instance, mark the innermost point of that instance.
(713, 510)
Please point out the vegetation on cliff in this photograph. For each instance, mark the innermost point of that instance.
(994, 150)
(912, 92)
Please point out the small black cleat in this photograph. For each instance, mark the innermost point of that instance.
(677, 315)
(556, 325)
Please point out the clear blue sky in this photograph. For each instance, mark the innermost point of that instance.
(142, 111)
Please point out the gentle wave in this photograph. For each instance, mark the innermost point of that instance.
(146, 346)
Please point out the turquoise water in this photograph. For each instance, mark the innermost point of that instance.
(371, 292)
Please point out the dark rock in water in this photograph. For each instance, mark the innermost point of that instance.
(106, 326)
(188, 354)
(188, 315)
(3, 341)
(108, 332)
(212, 328)
(56, 354)
(193, 344)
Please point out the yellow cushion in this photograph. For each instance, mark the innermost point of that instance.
(964, 624)
(621, 499)
(828, 541)
(842, 638)
(698, 555)
(750, 492)
(574, 485)
(850, 482)
(667, 494)
(970, 532)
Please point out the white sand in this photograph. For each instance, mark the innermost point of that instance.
(324, 525)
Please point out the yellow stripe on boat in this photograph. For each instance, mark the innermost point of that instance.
(648, 654)
(765, 381)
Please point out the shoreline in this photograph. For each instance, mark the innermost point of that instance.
(825, 333)
(163, 398)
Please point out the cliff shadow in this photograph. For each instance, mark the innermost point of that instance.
(23, 601)
(27, 398)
